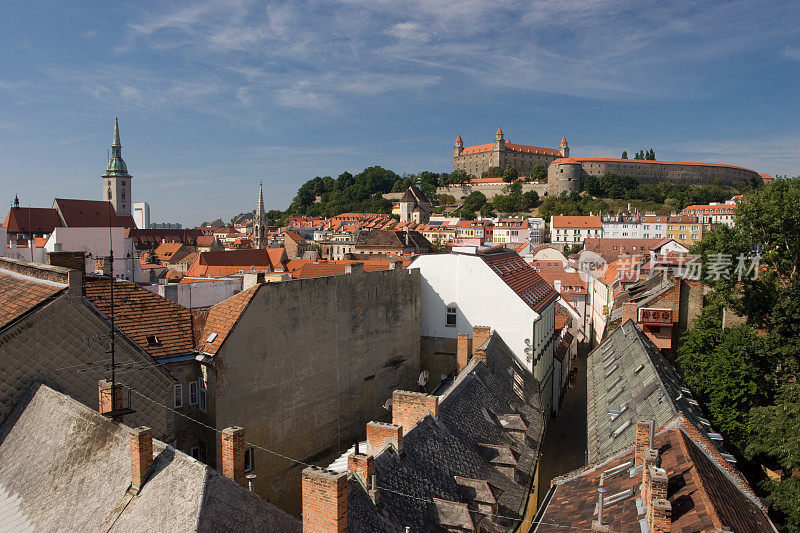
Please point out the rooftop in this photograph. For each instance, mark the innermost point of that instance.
(520, 277)
(85, 460)
(585, 221)
(21, 294)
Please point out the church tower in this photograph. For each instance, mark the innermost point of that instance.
(116, 180)
(260, 223)
(564, 148)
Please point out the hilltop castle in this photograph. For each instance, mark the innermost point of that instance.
(565, 173)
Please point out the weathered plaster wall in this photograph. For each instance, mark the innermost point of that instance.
(310, 362)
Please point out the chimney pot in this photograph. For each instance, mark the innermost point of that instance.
(141, 455)
(480, 334)
(462, 351)
(600, 501)
(380, 435)
(408, 408)
(324, 500)
(363, 466)
(233, 454)
(110, 398)
(630, 311)
(642, 441)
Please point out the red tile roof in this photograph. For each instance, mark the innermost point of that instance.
(706, 493)
(520, 277)
(31, 220)
(647, 162)
(90, 214)
(511, 148)
(311, 269)
(222, 317)
(566, 161)
(158, 326)
(226, 263)
(21, 294)
(587, 221)
(171, 252)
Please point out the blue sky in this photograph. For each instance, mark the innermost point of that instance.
(215, 96)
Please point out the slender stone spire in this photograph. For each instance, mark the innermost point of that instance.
(116, 180)
(116, 165)
(260, 223)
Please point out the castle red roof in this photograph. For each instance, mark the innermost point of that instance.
(564, 139)
(647, 162)
(566, 161)
(511, 148)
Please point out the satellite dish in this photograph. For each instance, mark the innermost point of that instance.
(387, 404)
(423, 378)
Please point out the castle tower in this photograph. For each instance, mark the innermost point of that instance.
(459, 146)
(260, 224)
(499, 142)
(564, 148)
(116, 181)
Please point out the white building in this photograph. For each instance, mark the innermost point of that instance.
(622, 227)
(574, 229)
(97, 243)
(141, 215)
(494, 288)
(654, 227)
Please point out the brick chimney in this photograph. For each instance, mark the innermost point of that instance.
(351, 268)
(642, 442)
(380, 435)
(141, 456)
(324, 501)
(462, 351)
(658, 509)
(233, 454)
(630, 310)
(363, 466)
(408, 408)
(480, 334)
(111, 398)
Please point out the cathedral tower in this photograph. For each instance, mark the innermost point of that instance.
(260, 223)
(116, 181)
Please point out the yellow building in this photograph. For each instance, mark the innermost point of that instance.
(684, 229)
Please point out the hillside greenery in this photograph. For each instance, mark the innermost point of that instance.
(745, 376)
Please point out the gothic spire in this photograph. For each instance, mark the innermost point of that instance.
(260, 206)
(116, 165)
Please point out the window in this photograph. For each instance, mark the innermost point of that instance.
(450, 317)
(248, 460)
(177, 395)
(201, 386)
(192, 393)
(152, 340)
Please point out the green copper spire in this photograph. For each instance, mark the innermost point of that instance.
(116, 166)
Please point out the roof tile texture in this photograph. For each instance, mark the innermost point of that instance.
(19, 295)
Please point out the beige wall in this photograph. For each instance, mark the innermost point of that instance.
(310, 362)
(655, 172)
(476, 164)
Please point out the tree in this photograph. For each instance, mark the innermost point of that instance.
(492, 172)
(530, 199)
(510, 173)
(514, 188)
(592, 185)
(538, 172)
(624, 155)
(487, 211)
(473, 202)
(152, 258)
(775, 433)
(506, 203)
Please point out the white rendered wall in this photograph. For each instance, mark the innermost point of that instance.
(199, 294)
(481, 299)
(97, 241)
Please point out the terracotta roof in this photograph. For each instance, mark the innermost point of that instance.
(391, 239)
(205, 240)
(611, 249)
(294, 236)
(587, 221)
(151, 238)
(311, 269)
(31, 220)
(766, 177)
(566, 161)
(564, 139)
(511, 148)
(499, 131)
(90, 214)
(458, 139)
(222, 317)
(704, 493)
(520, 277)
(20, 294)
(570, 281)
(225, 263)
(171, 252)
(158, 326)
(647, 162)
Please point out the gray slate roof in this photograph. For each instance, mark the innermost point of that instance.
(628, 379)
(437, 450)
(65, 467)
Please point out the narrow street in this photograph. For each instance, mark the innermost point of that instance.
(563, 449)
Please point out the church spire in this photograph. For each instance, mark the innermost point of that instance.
(116, 165)
(260, 223)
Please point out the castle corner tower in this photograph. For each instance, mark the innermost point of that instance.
(459, 146)
(260, 223)
(564, 148)
(116, 181)
(499, 141)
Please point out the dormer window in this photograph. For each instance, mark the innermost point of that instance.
(153, 340)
